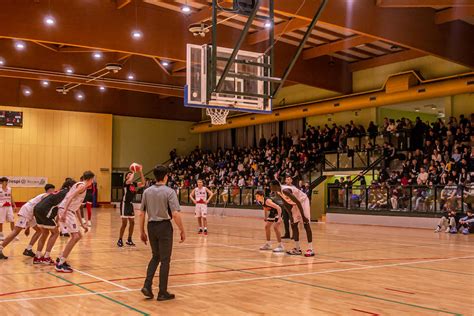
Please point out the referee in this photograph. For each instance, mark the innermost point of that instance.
(161, 205)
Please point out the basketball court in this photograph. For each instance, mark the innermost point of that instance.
(358, 270)
(241, 95)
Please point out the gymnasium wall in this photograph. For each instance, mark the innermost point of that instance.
(429, 66)
(463, 104)
(398, 114)
(360, 117)
(57, 144)
(149, 141)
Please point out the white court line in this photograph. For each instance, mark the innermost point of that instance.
(242, 280)
(103, 280)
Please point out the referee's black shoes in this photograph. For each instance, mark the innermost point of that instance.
(147, 292)
(165, 296)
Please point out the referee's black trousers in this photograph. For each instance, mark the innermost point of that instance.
(160, 235)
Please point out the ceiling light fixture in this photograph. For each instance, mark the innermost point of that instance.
(49, 20)
(45, 83)
(101, 88)
(137, 34)
(27, 92)
(19, 45)
(165, 63)
(417, 110)
(268, 24)
(69, 70)
(2, 61)
(130, 77)
(79, 96)
(185, 9)
(97, 55)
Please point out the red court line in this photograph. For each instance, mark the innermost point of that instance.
(365, 312)
(406, 292)
(218, 271)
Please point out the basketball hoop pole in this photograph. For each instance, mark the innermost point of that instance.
(239, 43)
(300, 48)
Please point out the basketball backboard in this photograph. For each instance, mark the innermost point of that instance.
(245, 88)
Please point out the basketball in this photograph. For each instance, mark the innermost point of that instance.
(135, 167)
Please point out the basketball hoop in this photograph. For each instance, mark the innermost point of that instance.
(218, 116)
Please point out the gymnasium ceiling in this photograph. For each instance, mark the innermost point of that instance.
(351, 35)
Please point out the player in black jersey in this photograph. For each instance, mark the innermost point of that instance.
(127, 213)
(272, 218)
(45, 214)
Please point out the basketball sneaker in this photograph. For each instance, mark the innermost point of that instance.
(465, 231)
(37, 260)
(47, 261)
(438, 229)
(120, 242)
(266, 247)
(294, 252)
(64, 268)
(447, 230)
(200, 232)
(309, 253)
(453, 230)
(29, 253)
(2, 256)
(279, 249)
(89, 223)
(130, 242)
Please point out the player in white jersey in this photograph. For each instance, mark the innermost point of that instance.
(298, 203)
(6, 206)
(26, 220)
(201, 197)
(70, 218)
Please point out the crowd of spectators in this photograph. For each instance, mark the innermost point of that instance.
(439, 162)
(435, 154)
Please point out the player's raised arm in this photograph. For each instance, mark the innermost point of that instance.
(142, 179)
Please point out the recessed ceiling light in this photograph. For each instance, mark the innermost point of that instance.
(136, 34)
(268, 24)
(69, 70)
(19, 45)
(97, 55)
(79, 96)
(101, 88)
(131, 76)
(49, 20)
(2, 61)
(165, 63)
(185, 9)
(27, 91)
(45, 83)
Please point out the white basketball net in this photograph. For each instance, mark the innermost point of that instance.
(218, 116)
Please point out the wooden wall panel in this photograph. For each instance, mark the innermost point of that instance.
(57, 144)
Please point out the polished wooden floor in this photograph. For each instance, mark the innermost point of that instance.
(358, 270)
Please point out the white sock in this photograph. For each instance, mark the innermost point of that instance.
(205, 228)
(297, 245)
(38, 254)
(46, 254)
(62, 260)
(29, 247)
(310, 245)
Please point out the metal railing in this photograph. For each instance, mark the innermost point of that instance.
(415, 200)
